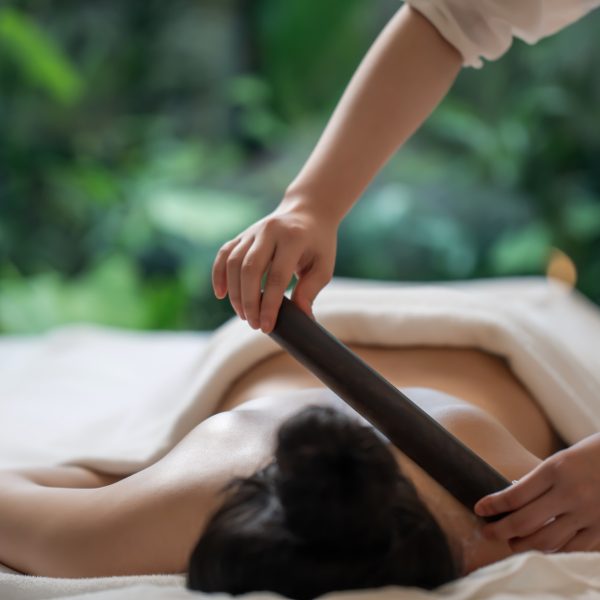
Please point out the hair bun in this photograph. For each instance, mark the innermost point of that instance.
(335, 479)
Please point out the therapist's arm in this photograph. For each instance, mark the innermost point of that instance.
(405, 74)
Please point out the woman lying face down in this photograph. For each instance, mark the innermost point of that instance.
(338, 508)
(333, 511)
(314, 501)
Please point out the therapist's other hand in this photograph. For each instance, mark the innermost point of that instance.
(555, 507)
(293, 239)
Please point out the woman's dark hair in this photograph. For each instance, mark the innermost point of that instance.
(332, 512)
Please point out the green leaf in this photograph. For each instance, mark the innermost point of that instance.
(39, 57)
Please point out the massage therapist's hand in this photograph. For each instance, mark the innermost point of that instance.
(556, 506)
(294, 239)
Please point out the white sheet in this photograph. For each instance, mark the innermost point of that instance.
(120, 400)
(89, 391)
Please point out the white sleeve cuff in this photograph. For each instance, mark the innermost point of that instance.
(486, 28)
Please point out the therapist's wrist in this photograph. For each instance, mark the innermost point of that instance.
(323, 205)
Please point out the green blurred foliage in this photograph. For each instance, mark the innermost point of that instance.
(139, 136)
(39, 59)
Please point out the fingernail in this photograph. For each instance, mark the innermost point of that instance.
(481, 510)
(265, 324)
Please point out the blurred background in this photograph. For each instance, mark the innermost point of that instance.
(137, 136)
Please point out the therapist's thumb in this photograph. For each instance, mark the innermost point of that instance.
(307, 289)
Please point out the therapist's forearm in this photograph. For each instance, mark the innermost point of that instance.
(406, 73)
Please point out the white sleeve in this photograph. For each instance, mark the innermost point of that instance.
(485, 28)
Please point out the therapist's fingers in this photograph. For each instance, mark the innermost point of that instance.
(219, 269)
(310, 283)
(526, 520)
(528, 488)
(254, 265)
(234, 265)
(549, 538)
(285, 259)
(585, 540)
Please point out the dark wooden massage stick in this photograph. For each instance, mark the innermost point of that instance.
(445, 458)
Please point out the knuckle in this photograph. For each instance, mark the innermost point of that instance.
(277, 278)
(294, 232)
(224, 249)
(227, 246)
(234, 260)
(551, 470)
(560, 461)
(271, 225)
(249, 266)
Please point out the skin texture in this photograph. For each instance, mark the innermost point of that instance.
(402, 78)
(71, 522)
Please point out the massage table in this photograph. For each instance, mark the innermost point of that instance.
(119, 400)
